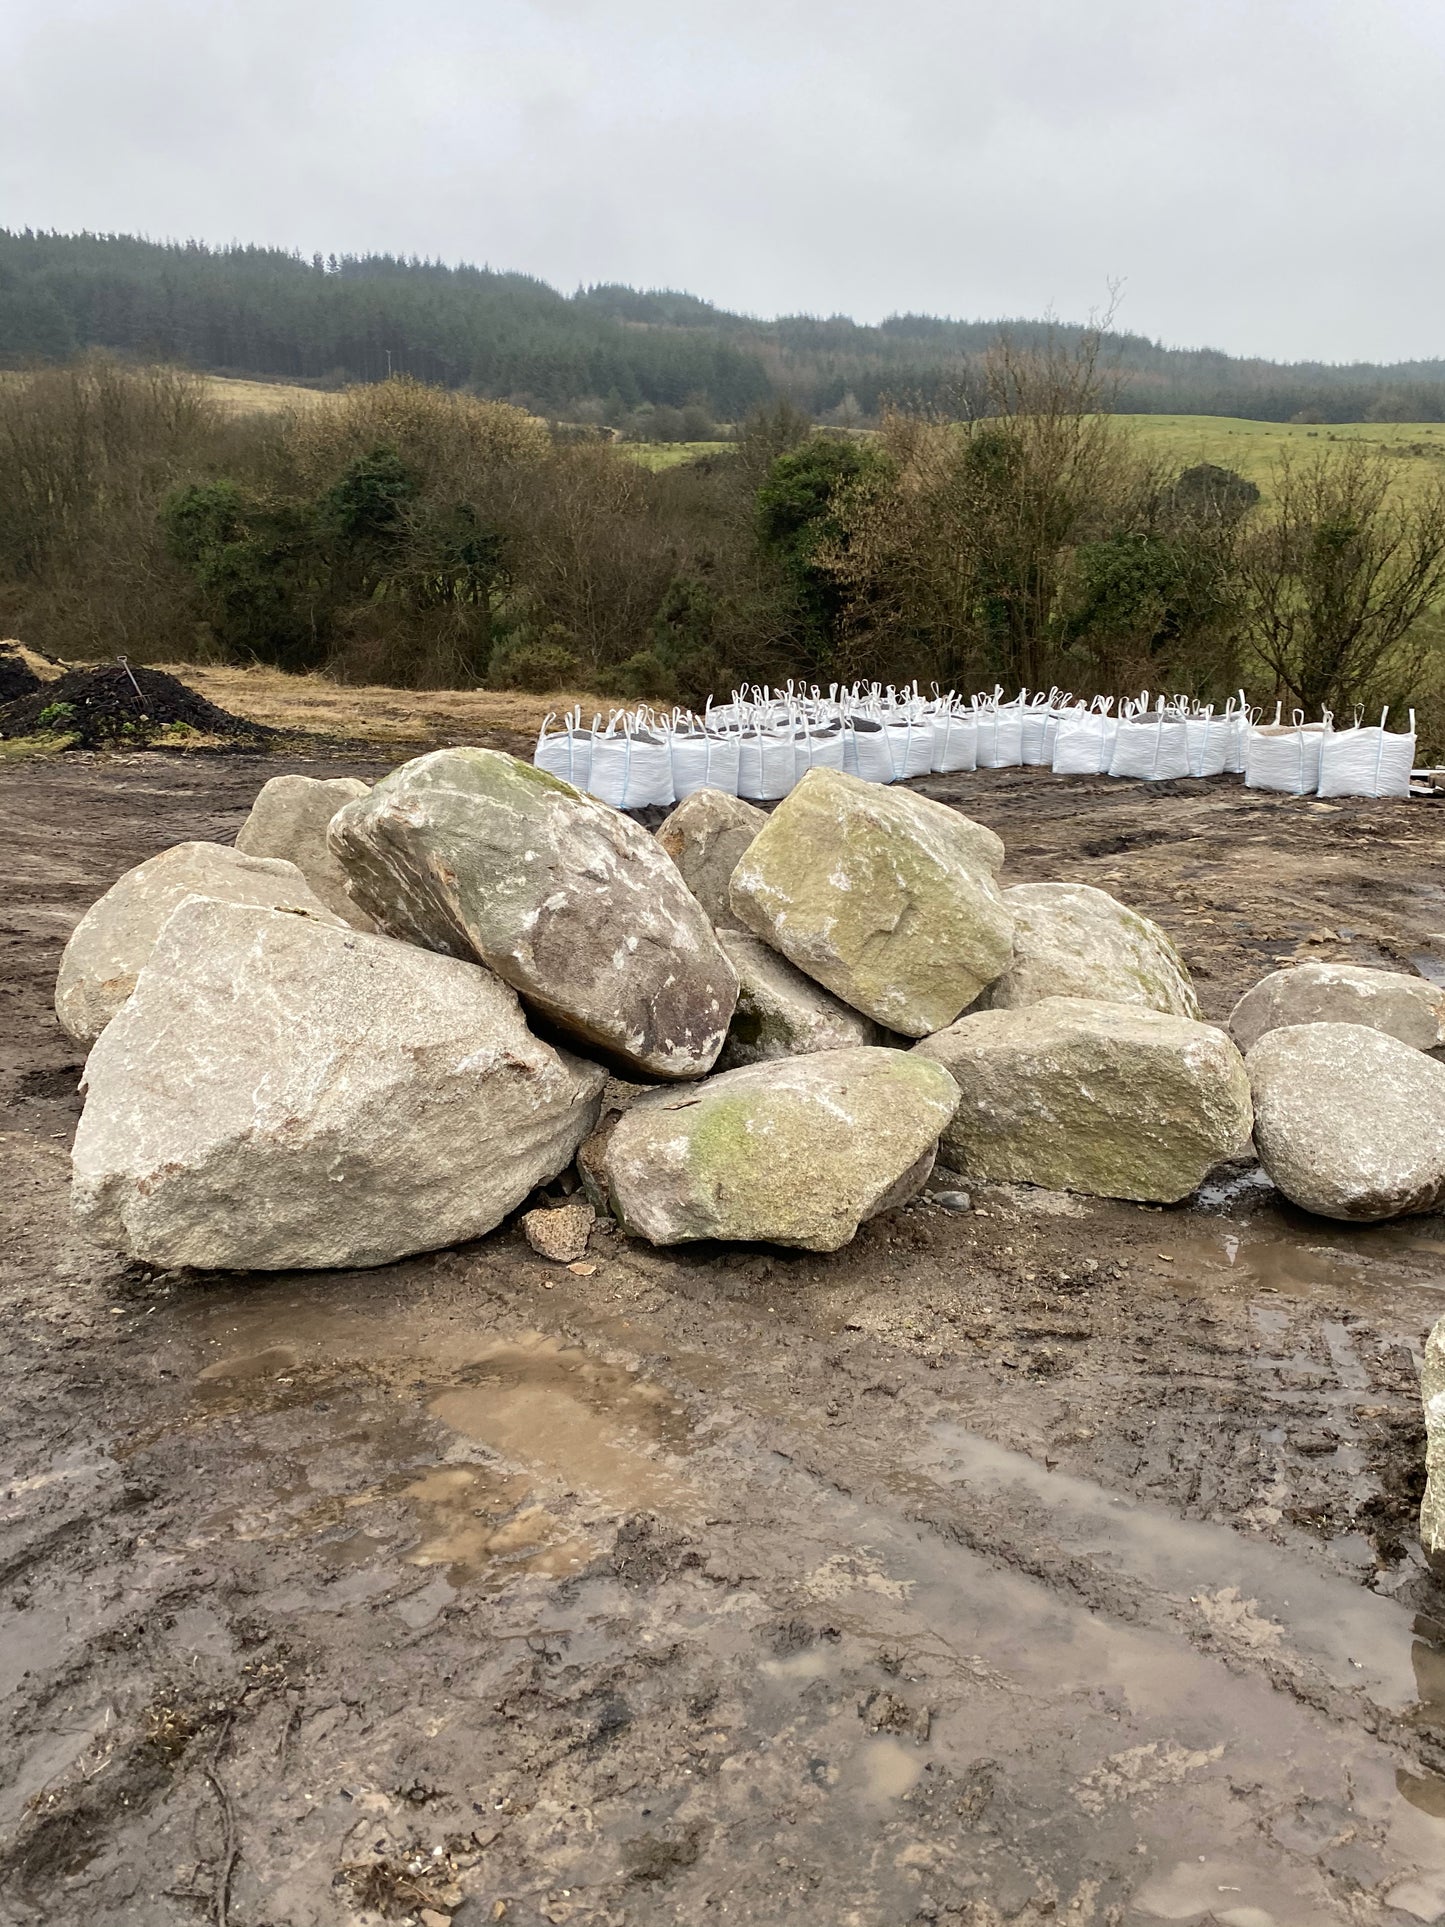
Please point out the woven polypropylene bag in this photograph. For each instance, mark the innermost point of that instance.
(867, 753)
(1210, 740)
(1154, 748)
(910, 748)
(1372, 761)
(565, 752)
(766, 765)
(1000, 736)
(955, 741)
(1083, 743)
(1284, 756)
(1035, 744)
(631, 768)
(704, 759)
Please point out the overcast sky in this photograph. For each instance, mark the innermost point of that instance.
(1265, 176)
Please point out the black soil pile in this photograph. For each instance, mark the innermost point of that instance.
(17, 678)
(115, 706)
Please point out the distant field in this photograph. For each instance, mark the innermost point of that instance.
(266, 397)
(1252, 448)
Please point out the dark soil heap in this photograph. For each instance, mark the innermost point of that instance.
(17, 678)
(115, 706)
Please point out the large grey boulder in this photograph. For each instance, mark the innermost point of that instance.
(1410, 1008)
(1432, 1394)
(479, 855)
(1349, 1122)
(705, 836)
(782, 1013)
(278, 1092)
(885, 897)
(795, 1151)
(1071, 940)
(1079, 1095)
(110, 945)
(289, 819)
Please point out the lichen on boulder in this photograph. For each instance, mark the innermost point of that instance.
(795, 1151)
(1079, 1095)
(1071, 940)
(478, 855)
(883, 896)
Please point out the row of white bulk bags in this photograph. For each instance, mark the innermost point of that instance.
(1367, 762)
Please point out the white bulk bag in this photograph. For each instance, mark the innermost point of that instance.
(1155, 749)
(955, 740)
(567, 752)
(1284, 756)
(1034, 720)
(1367, 762)
(703, 759)
(1000, 735)
(819, 746)
(910, 747)
(765, 765)
(631, 767)
(866, 753)
(1083, 743)
(1210, 740)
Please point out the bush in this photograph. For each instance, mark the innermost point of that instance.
(538, 664)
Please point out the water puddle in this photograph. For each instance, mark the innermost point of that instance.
(365, 1435)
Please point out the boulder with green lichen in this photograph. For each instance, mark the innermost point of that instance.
(1071, 940)
(794, 1151)
(1079, 1095)
(478, 855)
(883, 896)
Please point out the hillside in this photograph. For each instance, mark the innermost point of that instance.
(606, 353)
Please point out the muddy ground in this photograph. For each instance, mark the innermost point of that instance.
(1053, 1562)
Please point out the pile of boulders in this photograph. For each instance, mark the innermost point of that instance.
(388, 1016)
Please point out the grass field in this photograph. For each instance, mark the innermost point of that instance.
(1252, 448)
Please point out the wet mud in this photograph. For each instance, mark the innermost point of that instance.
(1052, 1561)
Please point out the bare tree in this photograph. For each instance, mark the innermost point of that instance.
(1338, 574)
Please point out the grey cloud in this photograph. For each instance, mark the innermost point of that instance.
(1263, 177)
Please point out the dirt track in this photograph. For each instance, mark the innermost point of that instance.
(1052, 1562)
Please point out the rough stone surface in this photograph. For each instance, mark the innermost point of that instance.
(1349, 1122)
(782, 1013)
(705, 836)
(279, 1092)
(1410, 1008)
(112, 941)
(478, 855)
(1079, 1095)
(1432, 1393)
(796, 1151)
(885, 897)
(1071, 940)
(289, 819)
(561, 1231)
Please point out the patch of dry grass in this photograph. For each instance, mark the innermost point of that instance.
(373, 712)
